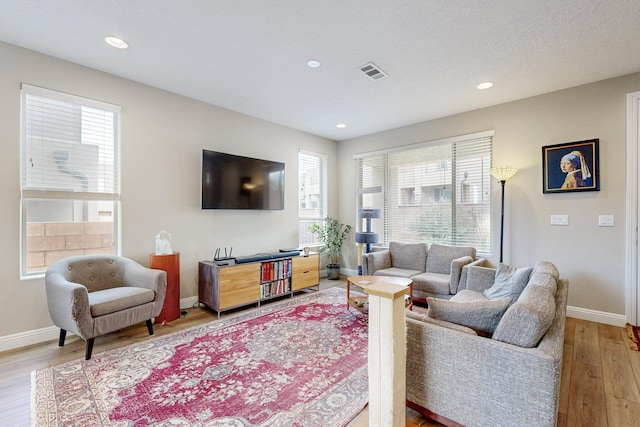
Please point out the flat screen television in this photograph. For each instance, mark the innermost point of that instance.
(237, 182)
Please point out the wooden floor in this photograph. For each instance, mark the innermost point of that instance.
(600, 379)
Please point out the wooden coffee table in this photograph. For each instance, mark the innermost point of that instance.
(360, 303)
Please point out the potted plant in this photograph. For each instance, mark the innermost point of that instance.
(332, 234)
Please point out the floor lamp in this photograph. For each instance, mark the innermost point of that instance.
(366, 237)
(502, 173)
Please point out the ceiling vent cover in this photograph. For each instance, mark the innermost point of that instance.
(373, 71)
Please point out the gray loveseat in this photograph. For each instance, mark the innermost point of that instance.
(436, 271)
(510, 379)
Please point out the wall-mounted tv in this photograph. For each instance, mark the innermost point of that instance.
(237, 182)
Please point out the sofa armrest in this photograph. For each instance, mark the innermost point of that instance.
(143, 277)
(477, 278)
(68, 304)
(456, 271)
(478, 262)
(365, 265)
(471, 379)
(374, 261)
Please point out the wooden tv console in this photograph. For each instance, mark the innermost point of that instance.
(225, 287)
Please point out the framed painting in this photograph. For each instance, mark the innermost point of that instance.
(571, 167)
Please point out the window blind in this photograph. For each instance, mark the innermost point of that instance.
(69, 146)
(436, 192)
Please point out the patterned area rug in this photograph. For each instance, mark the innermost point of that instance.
(298, 362)
(634, 337)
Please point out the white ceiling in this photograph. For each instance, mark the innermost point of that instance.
(250, 55)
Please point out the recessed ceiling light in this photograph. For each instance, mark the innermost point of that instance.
(116, 42)
(485, 85)
(341, 126)
(313, 63)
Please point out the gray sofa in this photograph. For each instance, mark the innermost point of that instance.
(509, 379)
(436, 271)
(92, 295)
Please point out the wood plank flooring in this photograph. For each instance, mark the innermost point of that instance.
(600, 380)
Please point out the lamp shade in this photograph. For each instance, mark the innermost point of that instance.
(368, 213)
(503, 173)
(366, 237)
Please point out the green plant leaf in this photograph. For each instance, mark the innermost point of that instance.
(332, 234)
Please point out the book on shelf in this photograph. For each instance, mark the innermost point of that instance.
(274, 287)
(275, 276)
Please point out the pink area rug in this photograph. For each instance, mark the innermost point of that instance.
(298, 362)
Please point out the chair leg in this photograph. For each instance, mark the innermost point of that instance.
(63, 335)
(150, 326)
(89, 349)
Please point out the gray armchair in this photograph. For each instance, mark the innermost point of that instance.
(93, 295)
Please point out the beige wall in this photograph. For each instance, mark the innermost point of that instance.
(591, 257)
(162, 140)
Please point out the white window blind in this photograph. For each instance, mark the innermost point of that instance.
(69, 146)
(312, 200)
(436, 192)
(70, 177)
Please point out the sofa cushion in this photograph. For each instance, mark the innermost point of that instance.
(435, 283)
(116, 299)
(396, 272)
(525, 322)
(481, 316)
(408, 256)
(509, 282)
(413, 315)
(440, 257)
(467, 295)
(548, 268)
(543, 280)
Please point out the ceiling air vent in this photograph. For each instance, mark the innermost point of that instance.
(373, 71)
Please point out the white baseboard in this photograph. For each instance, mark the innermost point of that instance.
(188, 302)
(23, 339)
(38, 336)
(343, 272)
(597, 316)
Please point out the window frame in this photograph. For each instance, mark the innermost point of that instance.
(94, 196)
(377, 188)
(305, 238)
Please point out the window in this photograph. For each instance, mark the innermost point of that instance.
(70, 178)
(435, 192)
(312, 183)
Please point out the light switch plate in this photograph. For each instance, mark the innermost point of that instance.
(559, 219)
(605, 220)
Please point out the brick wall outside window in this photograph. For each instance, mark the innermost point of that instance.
(48, 242)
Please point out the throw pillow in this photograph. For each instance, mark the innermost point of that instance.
(527, 321)
(482, 316)
(509, 282)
